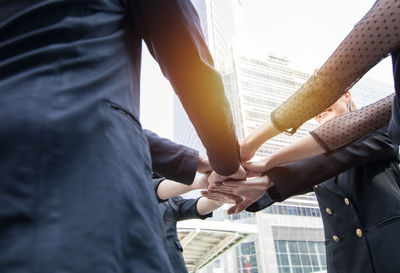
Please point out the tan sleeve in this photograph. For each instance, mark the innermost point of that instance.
(373, 38)
(347, 128)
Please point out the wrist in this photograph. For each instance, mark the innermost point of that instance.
(203, 165)
(266, 182)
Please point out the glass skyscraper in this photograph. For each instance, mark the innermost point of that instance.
(290, 236)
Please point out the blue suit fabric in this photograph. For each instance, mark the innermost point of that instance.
(75, 172)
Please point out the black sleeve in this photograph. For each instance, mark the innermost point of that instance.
(187, 209)
(172, 32)
(295, 177)
(156, 184)
(262, 203)
(171, 160)
(265, 201)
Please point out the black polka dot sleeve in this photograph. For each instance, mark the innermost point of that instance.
(371, 40)
(345, 129)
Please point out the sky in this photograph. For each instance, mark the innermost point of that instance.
(305, 31)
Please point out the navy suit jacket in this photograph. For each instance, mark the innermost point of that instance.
(75, 172)
(359, 191)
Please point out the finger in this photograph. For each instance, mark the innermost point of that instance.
(233, 184)
(232, 197)
(204, 193)
(220, 198)
(231, 210)
(223, 188)
(228, 191)
(242, 205)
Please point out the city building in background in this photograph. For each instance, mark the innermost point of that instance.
(290, 237)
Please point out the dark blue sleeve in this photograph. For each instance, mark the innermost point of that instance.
(171, 160)
(172, 32)
(262, 203)
(292, 178)
(187, 209)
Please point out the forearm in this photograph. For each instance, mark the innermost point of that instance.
(206, 206)
(292, 178)
(181, 51)
(304, 148)
(167, 189)
(255, 139)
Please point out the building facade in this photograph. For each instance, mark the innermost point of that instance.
(290, 237)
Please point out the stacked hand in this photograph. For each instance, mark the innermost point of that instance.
(243, 188)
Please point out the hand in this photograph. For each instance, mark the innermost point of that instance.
(240, 174)
(254, 169)
(200, 182)
(221, 197)
(250, 191)
(203, 165)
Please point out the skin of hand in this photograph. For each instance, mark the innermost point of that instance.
(250, 144)
(205, 206)
(200, 182)
(221, 197)
(203, 165)
(240, 174)
(168, 188)
(249, 190)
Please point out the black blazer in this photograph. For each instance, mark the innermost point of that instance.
(359, 198)
(394, 126)
(75, 167)
(171, 160)
(173, 210)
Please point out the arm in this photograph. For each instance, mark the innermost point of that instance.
(250, 144)
(326, 138)
(347, 128)
(292, 178)
(304, 148)
(199, 208)
(172, 32)
(166, 189)
(173, 161)
(206, 206)
(369, 42)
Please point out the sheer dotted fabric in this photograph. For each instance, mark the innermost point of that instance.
(373, 38)
(347, 128)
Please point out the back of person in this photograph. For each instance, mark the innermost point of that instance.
(75, 168)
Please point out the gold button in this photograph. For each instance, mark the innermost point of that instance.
(329, 211)
(336, 238)
(346, 201)
(359, 233)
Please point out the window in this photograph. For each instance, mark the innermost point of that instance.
(300, 256)
(246, 258)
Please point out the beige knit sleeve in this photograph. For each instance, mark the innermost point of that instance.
(373, 38)
(345, 129)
